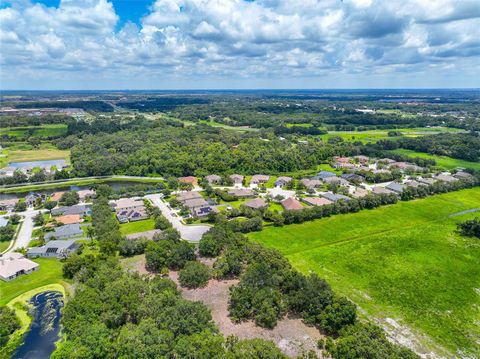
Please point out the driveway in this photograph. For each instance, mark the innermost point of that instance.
(192, 233)
(25, 234)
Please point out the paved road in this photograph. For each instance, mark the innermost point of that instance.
(192, 233)
(25, 235)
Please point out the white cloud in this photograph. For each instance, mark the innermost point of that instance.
(225, 38)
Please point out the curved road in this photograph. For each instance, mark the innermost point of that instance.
(192, 233)
(25, 234)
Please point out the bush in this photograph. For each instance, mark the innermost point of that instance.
(131, 247)
(470, 228)
(8, 324)
(194, 275)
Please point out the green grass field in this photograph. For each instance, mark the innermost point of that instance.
(43, 131)
(138, 226)
(442, 161)
(50, 272)
(377, 135)
(403, 261)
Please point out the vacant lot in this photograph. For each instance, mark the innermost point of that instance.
(442, 161)
(403, 262)
(138, 226)
(44, 131)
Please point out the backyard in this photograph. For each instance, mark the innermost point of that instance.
(137, 226)
(404, 262)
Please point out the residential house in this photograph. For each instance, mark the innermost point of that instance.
(395, 187)
(324, 174)
(336, 180)
(185, 196)
(445, 178)
(54, 249)
(316, 201)
(361, 159)
(80, 209)
(388, 161)
(56, 196)
(334, 197)
(189, 180)
(462, 175)
(86, 194)
(258, 179)
(237, 179)
(3, 222)
(311, 184)
(32, 198)
(382, 190)
(64, 232)
(426, 181)
(346, 165)
(406, 166)
(127, 204)
(195, 203)
(359, 192)
(282, 181)
(257, 203)
(352, 177)
(202, 212)
(213, 179)
(341, 159)
(69, 219)
(15, 264)
(413, 184)
(291, 204)
(8, 204)
(131, 215)
(242, 193)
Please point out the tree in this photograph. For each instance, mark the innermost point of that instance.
(20, 206)
(50, 205)
(252, 348)
(162, 223)
(194, 275)
(70, 198)
(337, 315)
(469, 228)
(14, 219)
(9, 323)
(38, 219)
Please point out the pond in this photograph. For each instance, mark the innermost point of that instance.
(43, 164)
(44, 330)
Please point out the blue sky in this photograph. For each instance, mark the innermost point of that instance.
(175, 44)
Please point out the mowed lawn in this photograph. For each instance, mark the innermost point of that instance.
(50, 272)
(442, 161)
(403, 261)
(137, 226)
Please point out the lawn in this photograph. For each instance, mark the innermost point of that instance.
(4, 245)
(137, 226)
(50, 272)
(442, 161)
(403, 261)
(43, 131)
(37, 155)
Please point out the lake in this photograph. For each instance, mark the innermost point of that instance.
(43, 164)
(44, 330)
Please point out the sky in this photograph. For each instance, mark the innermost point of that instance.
(239, 44)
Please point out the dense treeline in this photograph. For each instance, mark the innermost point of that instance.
(270, 288)
(161, 103)
(115, 314)
(465, 146)
(88, 105)
(173, 151)
(22, 121)
(9, 323)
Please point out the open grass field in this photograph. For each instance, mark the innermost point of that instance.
(50, 272)
(403, 261)
(377, 135)
(43, 131)
(138, 226)
(4, 245)
(442, 161)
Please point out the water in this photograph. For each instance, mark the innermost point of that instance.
(42, 164)
(45, 327)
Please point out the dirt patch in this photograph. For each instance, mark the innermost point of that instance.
(136, 264)
(291, 335)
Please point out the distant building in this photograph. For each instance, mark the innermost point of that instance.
(311, 184)
(86, 194)
(426, 181)
(69, 219)
(258, 179)
(359, 192)
(56, 249)
(382, 190)
(213, 179)
(8, 204)
(13, 265)
(56, 196)
(188, 195)
(352, 177)
(462, 175)
(336, 180)
(189, 180)
(195, 203)
(395, 187)
(237, 179)
(202, 212)
(282, 181)
(127, 204)
(445, 178)
(324, 174)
